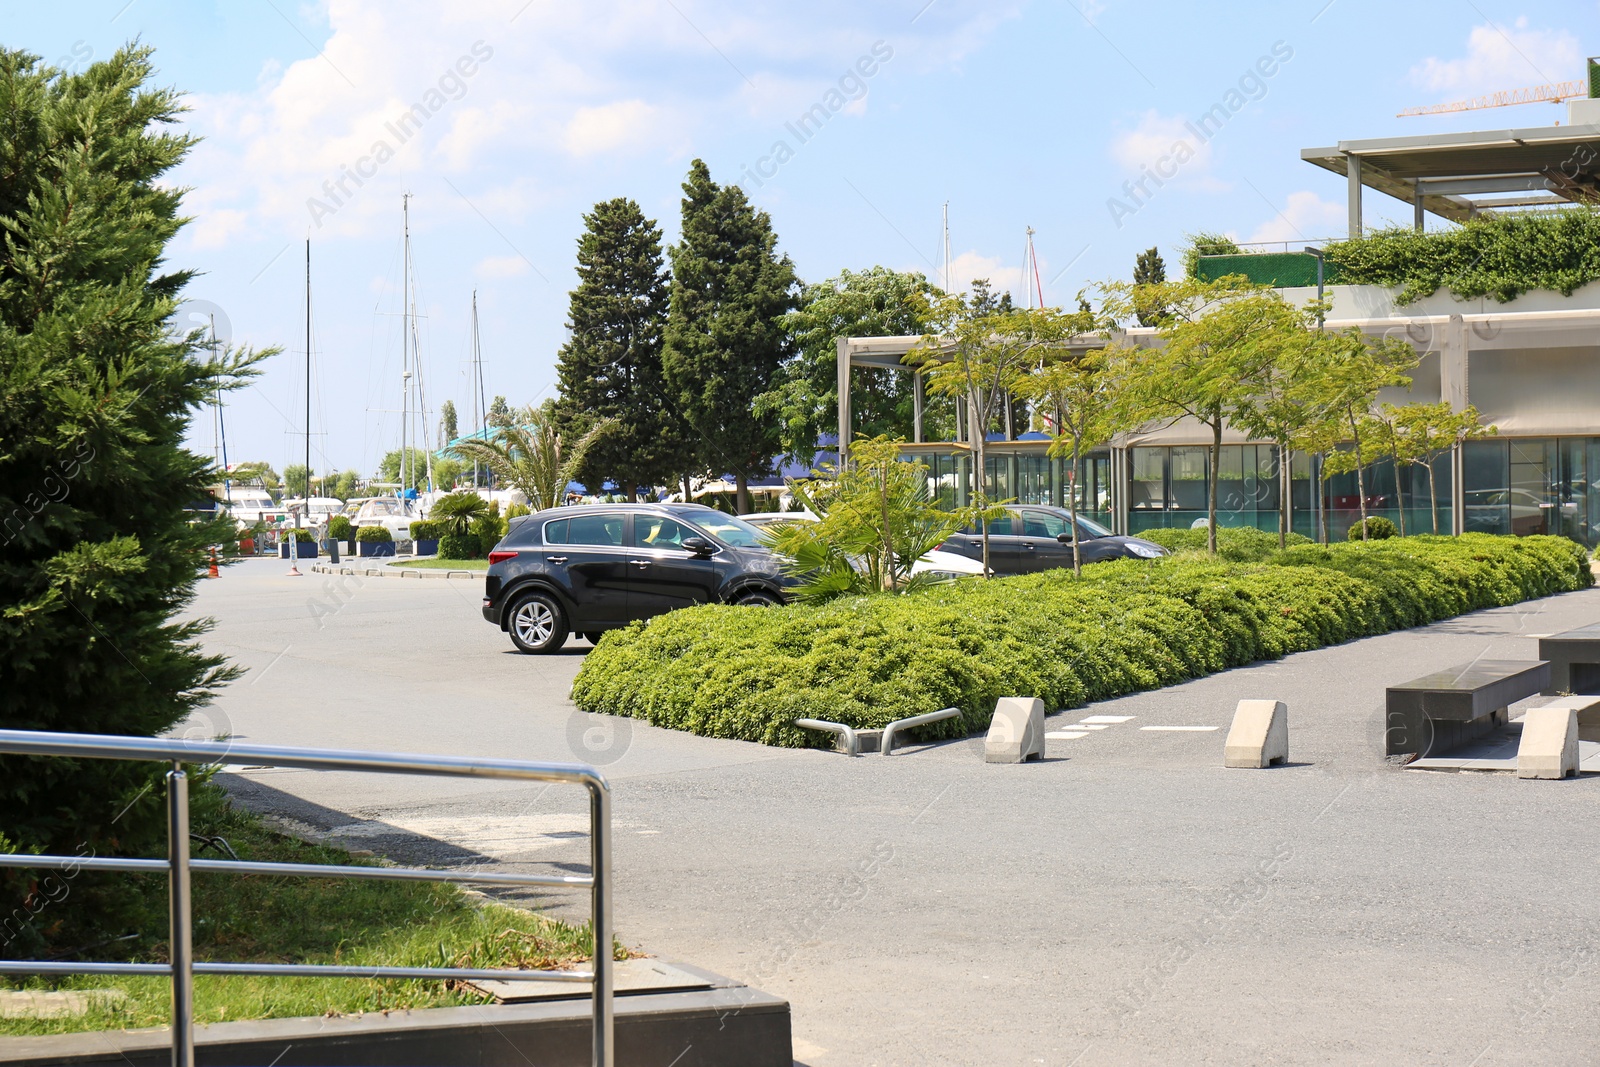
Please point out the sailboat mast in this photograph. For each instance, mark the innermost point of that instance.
(477, 386)
(308, 387)
(222, 429)
(405, 342)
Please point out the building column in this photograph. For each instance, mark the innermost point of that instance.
(917, 393)
(844, 399)
(1416, 205)
(1453, 363)
(1058, 489)
(1458, 490)
(1353, 169)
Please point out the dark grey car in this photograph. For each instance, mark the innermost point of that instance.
(1035, 537)
(594, 568)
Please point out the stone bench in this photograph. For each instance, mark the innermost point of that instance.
(1439, 711)
(1574, 660)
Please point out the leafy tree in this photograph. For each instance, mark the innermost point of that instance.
(1431, 431)
(499, 413)
(447, 422)
(805, 399)
(346, 485)
(610, 370)
(447, 471)
(980, 352)
(254, 472)
(1356, 368)
(1280, 397)
(725, 338)
(875, 520)
(527, 454)
(297, 480)
(100, 558)
(389, 467)
(1079, 398)
(1149, 269)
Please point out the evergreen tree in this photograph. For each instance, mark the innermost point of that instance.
(725, 338)
(100, 559)
(1149, 269)
(447, 423)
(610, 370)
(499, 413)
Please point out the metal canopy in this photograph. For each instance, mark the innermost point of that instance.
(1458, 175)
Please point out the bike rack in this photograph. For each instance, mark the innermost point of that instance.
(178, 867)
(852, 738)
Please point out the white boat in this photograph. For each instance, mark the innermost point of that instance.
(248, 505)
(392, 513)
(320, 510)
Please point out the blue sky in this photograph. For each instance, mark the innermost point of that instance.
(1017, 115)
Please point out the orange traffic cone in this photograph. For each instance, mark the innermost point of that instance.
(212, 572)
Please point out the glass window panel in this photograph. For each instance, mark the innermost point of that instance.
(603, 530)
(1043, 524)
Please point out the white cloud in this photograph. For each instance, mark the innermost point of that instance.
(610, 126)
(1500, 57)
(969, 266)
(1305, 217)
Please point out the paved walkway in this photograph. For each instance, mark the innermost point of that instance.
(1126, 901)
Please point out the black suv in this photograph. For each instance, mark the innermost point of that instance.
(1037, 538)
(599, 567)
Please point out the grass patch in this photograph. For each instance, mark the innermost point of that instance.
(308, 920)
(1125, 626)
(446, 564)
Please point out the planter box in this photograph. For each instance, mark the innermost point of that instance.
(426, 546)
(374, 548)
(307, 549)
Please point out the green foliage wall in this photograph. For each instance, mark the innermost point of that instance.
(1500, 256)
(748, 673)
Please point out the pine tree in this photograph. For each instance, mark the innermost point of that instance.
(1149, 269)
(99, 557)
(725, 338)
(499, 413)
(610, 370)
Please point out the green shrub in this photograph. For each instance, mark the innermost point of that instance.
(303, 536)
(1377, 527)
(516, 511)
(488, 529)
(1125, 626)
(339, 528)
(374, 533)
(423, 530)
(458, 546)
(1236, 544)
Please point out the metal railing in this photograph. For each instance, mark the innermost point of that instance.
(178, 867)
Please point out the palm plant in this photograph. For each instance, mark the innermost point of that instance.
(456, 512)
(526, 453)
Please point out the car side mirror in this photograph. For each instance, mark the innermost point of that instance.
(698, 547)
(1065, 538)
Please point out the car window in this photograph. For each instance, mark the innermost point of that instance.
(729, 530)
(1043, 524)
(657, 531)
(604, 530)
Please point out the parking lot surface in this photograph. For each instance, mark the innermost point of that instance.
(1128, 900)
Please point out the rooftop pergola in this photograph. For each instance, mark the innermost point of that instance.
(1458, 175)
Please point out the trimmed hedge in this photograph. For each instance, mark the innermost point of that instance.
(425, 530)
(1236, 544)
(339, 528)
(1377, 528)
(459, 546)
(1125, 626)
(302, 536)
(378, 534)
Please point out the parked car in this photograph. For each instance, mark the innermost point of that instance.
(938, 562)
(1037, 538)
(599, 567)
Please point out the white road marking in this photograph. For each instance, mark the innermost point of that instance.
(1066, 735)
(1090, 726)
(1108, 719)
(1182, 729)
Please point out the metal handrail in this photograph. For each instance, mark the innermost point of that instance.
(178, 867)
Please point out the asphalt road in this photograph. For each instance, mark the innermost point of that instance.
(1126, 901)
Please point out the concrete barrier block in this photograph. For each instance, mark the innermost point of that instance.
(1588, 709)
(1259, 736)
(1016, 733)
(1549, 747)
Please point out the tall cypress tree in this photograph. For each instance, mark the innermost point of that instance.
(1149, 269)
(725, 338)
(610, 369)
(99, 557)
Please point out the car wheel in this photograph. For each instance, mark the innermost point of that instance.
(536, 623)
(756, 598)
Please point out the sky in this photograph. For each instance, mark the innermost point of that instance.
(853, 123)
